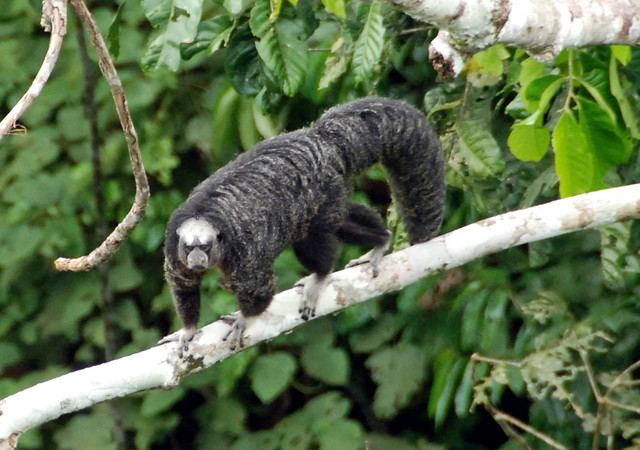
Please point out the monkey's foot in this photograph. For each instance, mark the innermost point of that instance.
(310, 294)
(183, 336)
(235, 336)
(373, 257)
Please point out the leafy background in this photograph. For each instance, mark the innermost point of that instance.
(208, 79)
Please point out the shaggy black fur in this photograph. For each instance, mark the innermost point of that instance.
(292, 190)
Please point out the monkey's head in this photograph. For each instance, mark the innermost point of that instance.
(198, 244)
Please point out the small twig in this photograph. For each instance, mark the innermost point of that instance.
(500, 416)
(495, 361)
(137, 211)
(54, 20)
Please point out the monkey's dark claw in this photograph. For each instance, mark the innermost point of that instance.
(235, 337)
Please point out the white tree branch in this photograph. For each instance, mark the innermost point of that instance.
(54, 21)
(542, 27)
(161, 367)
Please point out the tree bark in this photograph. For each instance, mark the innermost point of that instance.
(542, 27)
(162, 366)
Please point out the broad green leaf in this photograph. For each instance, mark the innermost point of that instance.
(157, 401)
(487, 66)
(615, 247)
(178, 22)
(622, 53)
(529, 142)
(441, 370)
(399, 373)
(247, 130)
(603, 135)
(281, 47)
(532, 69)
(337, 7)
(242, 63)
(368, 47)
(599, 98)
(574, 160)
(336, 64)
(464, 393)
(113, 35)
(479, 149)
(328, 364)
(494, 334)
(540, 91)
(447, 394)
(212, 34)
(472, 317)
(271, 375)
(626, 110)
(343, 435)
(237, 7)
(377, 333)
(225, 141)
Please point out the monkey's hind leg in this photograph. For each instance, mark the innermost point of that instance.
(317, 252)
(364, 226)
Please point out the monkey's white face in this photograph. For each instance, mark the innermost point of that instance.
(197, 247)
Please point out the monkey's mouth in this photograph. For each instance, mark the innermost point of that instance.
(197, 260)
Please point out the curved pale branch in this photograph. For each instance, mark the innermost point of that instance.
(161, 367)
(54, 21)
(137, 211)
(542, 27)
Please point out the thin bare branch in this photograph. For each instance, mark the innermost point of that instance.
(502, 417)
(54, 21)
(137, 211)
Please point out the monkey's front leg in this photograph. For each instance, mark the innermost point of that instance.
(255, 290)
(187, 303)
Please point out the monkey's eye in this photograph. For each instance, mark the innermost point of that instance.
(205, 247)
(189, 248)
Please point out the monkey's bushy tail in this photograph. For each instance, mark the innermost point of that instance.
(397, 135)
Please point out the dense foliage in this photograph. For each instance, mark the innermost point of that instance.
(552, 326)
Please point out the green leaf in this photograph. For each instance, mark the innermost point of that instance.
(377, 333)
(622, 53)
(540, 91)
(574, 161)
(158, 401)
(281, 47)
(212, 34)
(487, 66)
(626, 110)
(336, 64)
(343, 435)
(464, 393)
(447, 394)
(225, 140)
(327, 364)
(529, 142)
(441, 370)
(368, 47)
(113, 35)
(532, 69)
(615, 247)
(178, 22)
(337, 7)
(399, 373)
(479, 149)
(237, 7)
(271, 375)
(603, 135)
(242, 63)
(494, 335)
